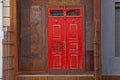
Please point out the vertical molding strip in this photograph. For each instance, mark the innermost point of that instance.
(13, 29)
(97, 40)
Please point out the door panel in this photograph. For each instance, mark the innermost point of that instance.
(89, 36)
(56, 43)
(24, 50)
(74, 42)
(31, 43)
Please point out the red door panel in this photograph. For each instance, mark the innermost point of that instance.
(56, 43)
(74, 42)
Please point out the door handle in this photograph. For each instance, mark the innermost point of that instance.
(63, 45)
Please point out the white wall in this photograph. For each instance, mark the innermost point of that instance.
(1, 36)
(4, 22)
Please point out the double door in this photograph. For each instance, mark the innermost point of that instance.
(65, 38)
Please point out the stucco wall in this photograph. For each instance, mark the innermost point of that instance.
(4, 22)
(110, 62)
(1, 36)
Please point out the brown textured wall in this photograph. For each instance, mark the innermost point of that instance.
(11, 61)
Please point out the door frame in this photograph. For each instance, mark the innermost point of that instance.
(11, 39)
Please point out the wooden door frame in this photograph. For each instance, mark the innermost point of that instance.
(10, 42)
(97, 40)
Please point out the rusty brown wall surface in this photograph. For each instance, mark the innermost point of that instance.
(33, 34)
(10, 44)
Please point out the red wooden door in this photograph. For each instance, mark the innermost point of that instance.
(56, 39)
(74, 38)
(65, 38)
